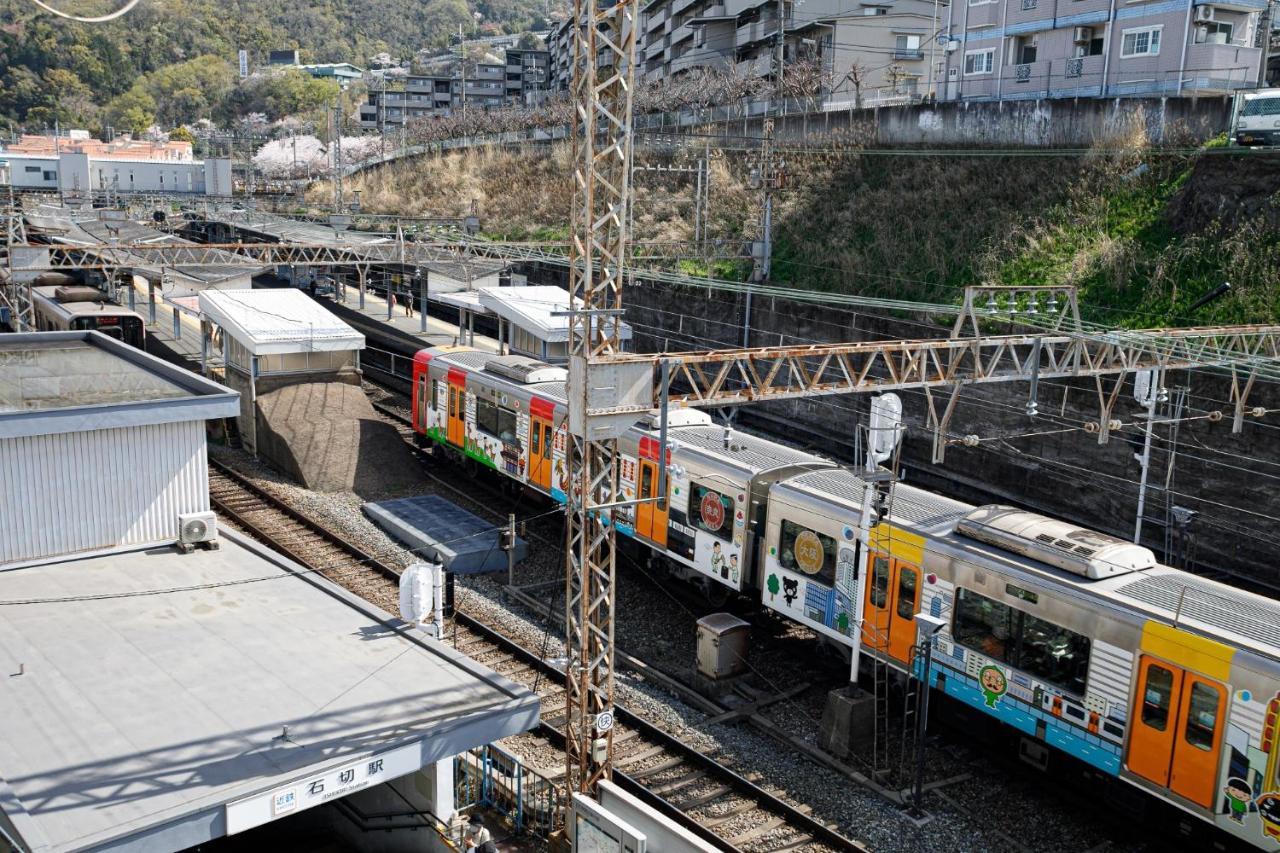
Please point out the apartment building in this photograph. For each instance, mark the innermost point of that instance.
(1010, 49)
(486, 85)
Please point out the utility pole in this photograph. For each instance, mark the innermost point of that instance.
(767, 176)
(1264, 30)
(1147, 391)
(604, 49)
(337, 153)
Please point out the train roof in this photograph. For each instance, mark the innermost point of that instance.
(745, 450)
(843, 487)
(99, 308)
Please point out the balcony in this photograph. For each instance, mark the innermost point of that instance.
(756, 31)
(911, 54)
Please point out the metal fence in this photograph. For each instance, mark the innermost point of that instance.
(490, 776)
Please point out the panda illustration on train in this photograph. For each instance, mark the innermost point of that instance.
(1079, 641)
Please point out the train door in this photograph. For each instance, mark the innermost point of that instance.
(1176, 736)
(893, 598)
(651, 519)
(457, 432)
(540, 443)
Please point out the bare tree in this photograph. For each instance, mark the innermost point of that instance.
(856, 76)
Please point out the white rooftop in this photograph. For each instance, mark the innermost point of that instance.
(150, 719)
(60, 382)
(278, 320)
(532, 308)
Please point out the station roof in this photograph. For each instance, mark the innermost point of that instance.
(153, 719)
(60, 382)
(533, 308)
(69, 228)
(278, 320)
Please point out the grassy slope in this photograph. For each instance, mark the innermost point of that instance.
(918, 228)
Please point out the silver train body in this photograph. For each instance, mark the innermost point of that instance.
(1079, 641)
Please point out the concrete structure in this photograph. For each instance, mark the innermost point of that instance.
(1010, 49)
(343, 72)
(101, 447)
(289, 56)
(534, 320)
(272, 338)
(521, 80)
(200, 695)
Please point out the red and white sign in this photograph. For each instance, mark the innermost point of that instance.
(712, 511)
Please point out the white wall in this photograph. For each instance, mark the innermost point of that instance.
(80, 172)
(662, 835)
(88, 491)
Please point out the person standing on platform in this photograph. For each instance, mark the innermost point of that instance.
(392, 298)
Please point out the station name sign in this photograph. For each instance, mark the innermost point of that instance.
(354, 774)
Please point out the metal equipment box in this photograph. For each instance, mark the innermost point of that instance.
(722, 645)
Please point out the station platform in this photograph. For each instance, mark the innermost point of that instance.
(439, 332)
(200, 695)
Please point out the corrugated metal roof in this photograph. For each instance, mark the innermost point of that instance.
(280, 320)
(908, 503)
(745, 449)
(532, 308)
(1211, 603)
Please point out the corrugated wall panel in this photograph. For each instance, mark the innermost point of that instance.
(83, 491)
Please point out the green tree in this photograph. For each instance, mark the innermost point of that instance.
(181, 134)
(134, 111)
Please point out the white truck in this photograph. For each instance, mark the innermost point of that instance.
(1255, 118)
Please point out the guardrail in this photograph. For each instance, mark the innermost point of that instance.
(492, 777)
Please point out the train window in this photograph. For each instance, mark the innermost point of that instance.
(1046, 651)
(1053, 654)
(1202, 715)
(983, 625)
(1155, 697)
(808, 552)
(907, 578)
(535, 438)
(1018, 592)
(453, 402)
(711, 511)
(880, 582)
(495, 420)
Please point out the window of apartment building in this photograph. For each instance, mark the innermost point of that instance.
(1092, 47)
(979, 61)
(1140, 42)
(1024, 50)
(1215, 32)
(699, 36)
(902, 43)
(871, 11)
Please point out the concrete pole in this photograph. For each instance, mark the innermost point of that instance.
(362, 272)
(151, 302)
(424, 286)
(1146, 465)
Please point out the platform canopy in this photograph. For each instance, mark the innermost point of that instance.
(538, 309)
(278, 321)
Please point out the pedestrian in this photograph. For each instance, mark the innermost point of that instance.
(408, 306)
(477, 837)
(392, 297)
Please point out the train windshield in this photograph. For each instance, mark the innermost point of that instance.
(124, 328)
(1261, 107)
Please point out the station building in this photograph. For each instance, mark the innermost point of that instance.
(168, 681)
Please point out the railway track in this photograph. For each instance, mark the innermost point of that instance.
(725, 808)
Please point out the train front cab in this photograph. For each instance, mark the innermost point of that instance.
(1178, 715)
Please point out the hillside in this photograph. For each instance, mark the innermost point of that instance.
(52, 68)
(1143, 233)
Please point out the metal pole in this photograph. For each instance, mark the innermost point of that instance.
(509, 545)
(922, 727)
(1146, 464)
(424, 284)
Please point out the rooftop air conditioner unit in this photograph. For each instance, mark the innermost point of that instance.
(1082, 34)
(1204, 14)
(197, 528)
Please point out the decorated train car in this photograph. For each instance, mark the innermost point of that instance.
(508, 413)
(1075, 640)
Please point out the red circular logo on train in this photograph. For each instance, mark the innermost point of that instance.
(712, 511)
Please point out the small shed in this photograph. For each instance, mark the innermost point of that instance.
(270, 338)
(102, 446)
(534, 321)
